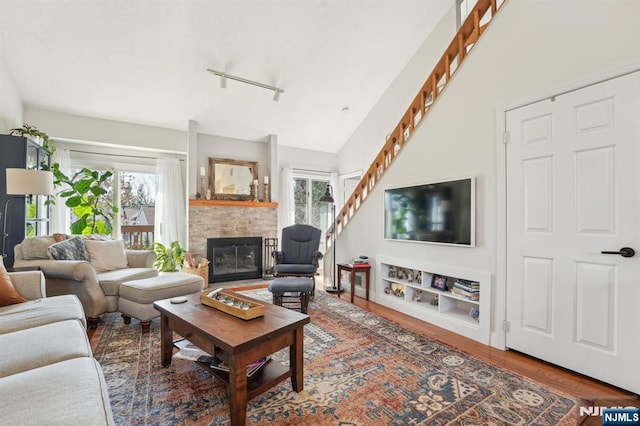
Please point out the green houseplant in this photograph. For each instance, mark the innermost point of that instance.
(168, 259)
(89, 199)
(87, 194)
(36, 134)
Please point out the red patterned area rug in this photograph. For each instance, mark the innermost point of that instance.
(360, 369)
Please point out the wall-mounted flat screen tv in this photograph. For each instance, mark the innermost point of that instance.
(438, 212)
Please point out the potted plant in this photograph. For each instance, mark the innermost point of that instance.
(168, 259)
(36, 134)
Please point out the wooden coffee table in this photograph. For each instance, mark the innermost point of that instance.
(239, 342)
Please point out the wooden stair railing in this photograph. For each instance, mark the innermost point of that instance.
(464, 40)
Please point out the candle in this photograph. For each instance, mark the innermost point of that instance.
(266, 180)
(255, 181)
(201, 171)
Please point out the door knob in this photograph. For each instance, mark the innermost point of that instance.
(624, 252)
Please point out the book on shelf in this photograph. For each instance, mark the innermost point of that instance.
(467, 286)
(252, 368)
(467, 295)
(466, 289)
(189, 351)
(468, 283)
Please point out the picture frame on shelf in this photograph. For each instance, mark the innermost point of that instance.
(402, 274)
(417, 296)
(393, 273)
(475, 313)
(439, 282)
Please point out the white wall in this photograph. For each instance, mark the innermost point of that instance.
(305, 159)
(210, 146)
(361, 148)
(60, 125)
(10, 102)
(532, 49)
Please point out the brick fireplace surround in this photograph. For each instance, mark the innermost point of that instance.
(224, 219)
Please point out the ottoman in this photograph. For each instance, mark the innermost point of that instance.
(290, 290)
(136, 297)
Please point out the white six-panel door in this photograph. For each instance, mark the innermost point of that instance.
(573, 191)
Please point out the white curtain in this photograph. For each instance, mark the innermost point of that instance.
(287, 203)
(60, 216)
(170, 224)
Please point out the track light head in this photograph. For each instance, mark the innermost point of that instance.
(223, 81)
(276, 95)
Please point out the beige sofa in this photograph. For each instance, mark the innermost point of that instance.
(47, 372)
(98, 291)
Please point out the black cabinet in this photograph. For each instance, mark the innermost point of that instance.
(25, 215)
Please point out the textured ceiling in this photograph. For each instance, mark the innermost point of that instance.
(145, 61)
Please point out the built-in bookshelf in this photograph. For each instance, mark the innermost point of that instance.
(453, 298)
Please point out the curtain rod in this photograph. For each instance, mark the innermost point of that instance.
(309, 170)
(120, 155)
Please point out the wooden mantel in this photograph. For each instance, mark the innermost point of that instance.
(230, 203)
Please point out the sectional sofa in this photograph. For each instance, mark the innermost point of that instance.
(93, 270)
(47, 372)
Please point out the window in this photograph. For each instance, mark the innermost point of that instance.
(463, 10)
(132, 188)
(137, 208)
(308, 208)
(135, 201)
(307, 190)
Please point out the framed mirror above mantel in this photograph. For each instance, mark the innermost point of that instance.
(232, 179)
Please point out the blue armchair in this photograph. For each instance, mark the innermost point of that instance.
(299, 255)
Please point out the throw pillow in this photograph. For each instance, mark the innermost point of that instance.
(36, 247)
(8, 294)
(106, 255)
(71, 249)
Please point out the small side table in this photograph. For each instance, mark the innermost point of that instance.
(363, 267)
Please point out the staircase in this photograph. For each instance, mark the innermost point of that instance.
(466, 37)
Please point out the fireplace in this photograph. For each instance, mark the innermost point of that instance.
(233, 259)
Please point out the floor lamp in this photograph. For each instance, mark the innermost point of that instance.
(23, 182)
(328, 198)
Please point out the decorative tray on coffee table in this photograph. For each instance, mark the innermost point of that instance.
(233, 304)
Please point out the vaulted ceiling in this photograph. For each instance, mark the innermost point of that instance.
(145, 61)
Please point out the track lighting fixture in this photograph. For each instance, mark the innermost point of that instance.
(224, 76)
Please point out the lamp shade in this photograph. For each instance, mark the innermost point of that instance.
(29, 182)
(327, 197)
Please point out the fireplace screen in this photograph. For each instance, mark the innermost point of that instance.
(234, 258)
